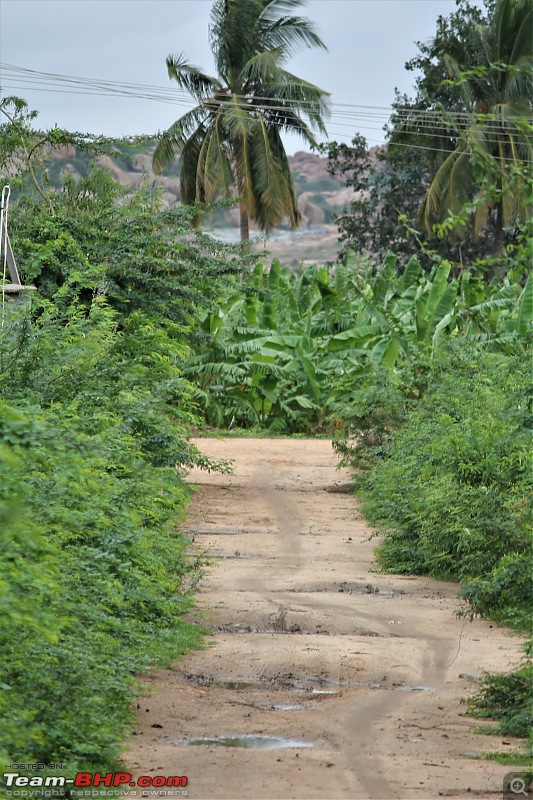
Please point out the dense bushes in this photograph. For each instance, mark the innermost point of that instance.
(290, 352)
(94, 580)
(508, 699)
(94, 415)
(453, 490)
(124, 245)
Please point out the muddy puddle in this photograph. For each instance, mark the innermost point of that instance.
(348, 588)
(228, 555)
(302, 685)
(247, 742)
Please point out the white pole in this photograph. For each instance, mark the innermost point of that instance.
(6, 192)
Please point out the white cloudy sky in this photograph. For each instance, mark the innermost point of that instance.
(128, 40)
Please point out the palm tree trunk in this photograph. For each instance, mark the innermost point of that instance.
(245, 227)
(497, 245)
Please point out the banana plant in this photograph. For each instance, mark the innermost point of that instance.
(279, 349)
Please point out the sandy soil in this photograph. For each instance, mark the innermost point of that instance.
(361, 675)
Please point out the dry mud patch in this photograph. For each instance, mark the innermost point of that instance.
(351, 681)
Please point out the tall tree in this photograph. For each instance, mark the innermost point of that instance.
(232, 139)
(391, 185)
(488, 165)
(471, 100)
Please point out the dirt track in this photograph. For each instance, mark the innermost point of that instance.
(358, 672)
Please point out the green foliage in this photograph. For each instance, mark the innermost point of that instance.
(95, 579)
(465, 136)
(251, 369)
(24, 150)
(94, 418)
(295, 352)
(356, 223)
(508, 699)
(228, 143)
(506, 593)
(29, 576)
(452, 492)
(127, 247)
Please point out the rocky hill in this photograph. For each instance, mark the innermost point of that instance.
(320, 197)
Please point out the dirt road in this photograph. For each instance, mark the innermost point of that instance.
(335, 680)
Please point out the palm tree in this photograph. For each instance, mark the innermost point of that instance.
(232, 139)
(490, 164)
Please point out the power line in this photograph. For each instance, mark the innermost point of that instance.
(433, 130)
(174, 95)
(431, 123)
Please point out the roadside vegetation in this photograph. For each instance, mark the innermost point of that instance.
(413, 352)
(94, 419)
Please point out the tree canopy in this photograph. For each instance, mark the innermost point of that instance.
(464, 138)
(232, 140)
(494, 132)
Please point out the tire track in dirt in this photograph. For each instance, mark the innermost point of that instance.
(359, 672)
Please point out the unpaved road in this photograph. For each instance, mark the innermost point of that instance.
(357, 673)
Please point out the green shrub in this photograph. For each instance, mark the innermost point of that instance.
(452, 492)
(94, 580)
(509, 700)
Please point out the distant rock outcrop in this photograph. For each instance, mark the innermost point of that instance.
(320, 195)
(311, 213)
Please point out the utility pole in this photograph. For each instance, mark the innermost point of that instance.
(14, 290)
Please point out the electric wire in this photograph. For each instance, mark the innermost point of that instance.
(428, 122)
(433, 130)
(431, 123)
(351, 126)
(100, 82)
(173, 95)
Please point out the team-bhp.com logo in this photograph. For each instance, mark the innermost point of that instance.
(18, 785)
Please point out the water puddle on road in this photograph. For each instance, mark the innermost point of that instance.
(249, 742)
(323, 686)
(224, 556)
(413, 688)
(236, 686)
(315, 686)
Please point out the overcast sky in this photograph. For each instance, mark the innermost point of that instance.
(128, 40)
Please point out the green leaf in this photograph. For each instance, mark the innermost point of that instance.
(352, 336)
(391, 353)
(525, 308)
